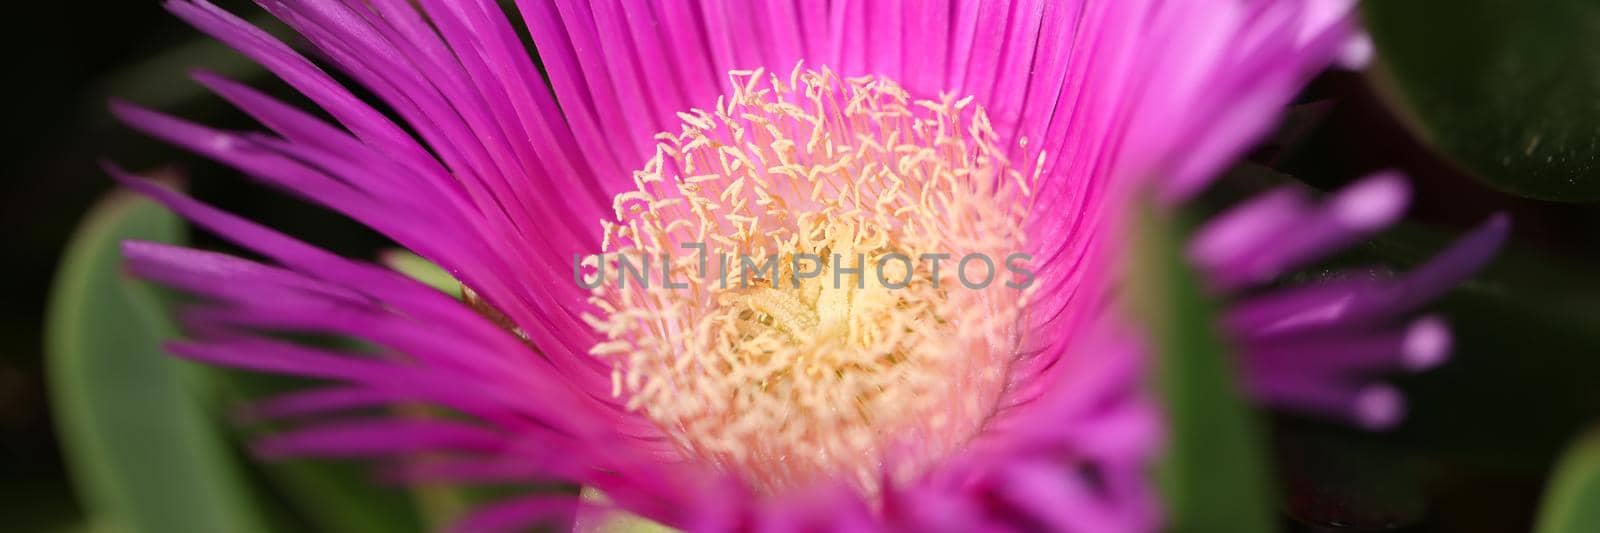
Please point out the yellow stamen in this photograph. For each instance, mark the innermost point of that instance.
(845, 356)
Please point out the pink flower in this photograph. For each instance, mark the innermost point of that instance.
(785, 130)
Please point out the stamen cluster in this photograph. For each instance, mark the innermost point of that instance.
(850, 355)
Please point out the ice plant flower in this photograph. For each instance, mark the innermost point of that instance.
(845, 388)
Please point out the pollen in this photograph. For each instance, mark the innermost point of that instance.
(817, 279)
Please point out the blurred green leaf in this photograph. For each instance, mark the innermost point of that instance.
(1506, 88)
(145, 456)
(1572, 501)
(420, 269)
(591, 520)
(1214, 476)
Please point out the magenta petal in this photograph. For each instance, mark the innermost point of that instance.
(518, 514)
(384, 436)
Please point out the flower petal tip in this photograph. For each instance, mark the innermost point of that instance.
(1357, 53)
(1427, 344)
(1379, 407)
(1498, 224)
(1373, 203)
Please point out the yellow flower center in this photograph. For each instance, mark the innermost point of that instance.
(817, 279)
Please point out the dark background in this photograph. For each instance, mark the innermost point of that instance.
(59, 56)
(1474, 458)
(65, 60)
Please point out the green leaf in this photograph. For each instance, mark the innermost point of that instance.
(1572, 501)
(420, 269)
(1214, 475)
(1506, 88)
(145, 455)
(595, 521)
